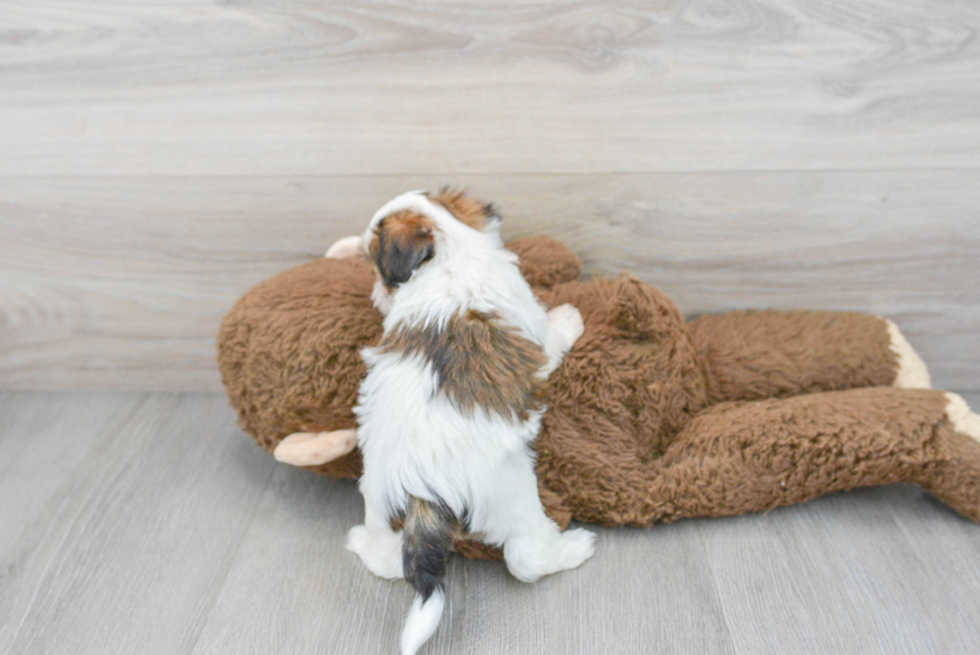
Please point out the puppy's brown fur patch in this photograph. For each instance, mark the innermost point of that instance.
(402, 242)
(467, 210)
(477, 362)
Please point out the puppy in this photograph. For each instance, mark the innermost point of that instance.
(449, 406)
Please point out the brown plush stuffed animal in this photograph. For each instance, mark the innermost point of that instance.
(650, 419)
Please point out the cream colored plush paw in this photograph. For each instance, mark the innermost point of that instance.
(961, 416)
(912, 372)
(346, 247)
(312, 448)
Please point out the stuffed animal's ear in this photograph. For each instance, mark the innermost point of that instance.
(401, 244)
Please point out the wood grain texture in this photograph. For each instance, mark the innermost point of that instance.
(305, 87)
(121, 282)
(863, 579)
(160, 528)
(126, 524)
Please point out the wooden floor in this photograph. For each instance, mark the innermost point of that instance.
(148, 523)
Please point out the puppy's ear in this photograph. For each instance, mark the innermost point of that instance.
(403, 242)
(470, 211)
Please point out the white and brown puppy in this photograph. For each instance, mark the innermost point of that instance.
(449, 406)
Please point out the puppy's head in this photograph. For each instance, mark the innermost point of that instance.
(401, 243)
(416, 227)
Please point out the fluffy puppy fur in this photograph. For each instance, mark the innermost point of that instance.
(449, 406)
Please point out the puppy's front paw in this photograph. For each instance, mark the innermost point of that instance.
(566, 321)
(381, 552)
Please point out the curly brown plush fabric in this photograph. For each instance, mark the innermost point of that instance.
(649, 418)
(750, 355)
(289, 353)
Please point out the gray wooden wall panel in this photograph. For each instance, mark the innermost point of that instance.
(122, 282)
(306, 87)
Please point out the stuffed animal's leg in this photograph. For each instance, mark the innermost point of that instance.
(533, 544)
(955, 479)
(312, 448)
(565, 326)
(747, 457)
(763, 354)
(378, 546)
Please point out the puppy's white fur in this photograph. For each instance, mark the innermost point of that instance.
(416, 442)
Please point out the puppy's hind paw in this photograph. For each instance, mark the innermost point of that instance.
(529, 558)
(577, 546)
(566, 321)
(380, 552)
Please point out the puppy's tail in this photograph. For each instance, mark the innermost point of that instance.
(428, 539)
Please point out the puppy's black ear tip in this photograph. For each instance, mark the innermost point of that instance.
(491, 213)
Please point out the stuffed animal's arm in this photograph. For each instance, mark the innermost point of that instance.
(762, 354)
(544, 261)
(345, 247)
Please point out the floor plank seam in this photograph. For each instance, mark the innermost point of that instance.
(717, 590)
(206, 616)
(114, 430)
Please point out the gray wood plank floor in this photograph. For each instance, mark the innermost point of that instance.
(148, 523)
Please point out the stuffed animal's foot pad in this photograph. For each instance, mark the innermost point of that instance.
(529, 559)
(964, 420)
(566, 321)
(912, 372)
(381, 552)
(312, 448)
(343, 248)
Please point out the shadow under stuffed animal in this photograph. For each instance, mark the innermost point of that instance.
(650, 418)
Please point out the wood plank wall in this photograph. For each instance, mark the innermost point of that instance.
(159, 158)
